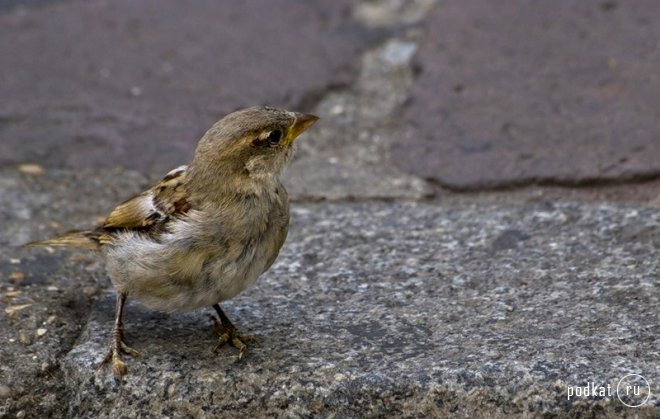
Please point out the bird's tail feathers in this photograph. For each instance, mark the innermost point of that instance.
(81, 239)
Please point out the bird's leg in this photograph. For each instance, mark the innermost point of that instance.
(227, 333)
(117, 346)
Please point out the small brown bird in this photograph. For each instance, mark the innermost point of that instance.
(206, 231)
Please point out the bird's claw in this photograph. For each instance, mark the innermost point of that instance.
(228, 334)
(113, 357)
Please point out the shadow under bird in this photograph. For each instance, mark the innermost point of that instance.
(206, 231)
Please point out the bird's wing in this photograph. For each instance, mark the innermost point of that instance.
(164, 200)
(147, 212)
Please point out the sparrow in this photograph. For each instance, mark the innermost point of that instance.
(206, 231)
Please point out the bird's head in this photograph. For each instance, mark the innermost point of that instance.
(255, 142)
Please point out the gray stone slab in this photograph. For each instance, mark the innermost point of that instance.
(412, 310)
(45, 297)
(474, 306)
(136, 83)
(346, 154)
(524, 91)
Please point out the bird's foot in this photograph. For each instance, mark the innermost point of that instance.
(116, 349)
(228, 334)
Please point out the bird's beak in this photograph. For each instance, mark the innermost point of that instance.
(300, 124)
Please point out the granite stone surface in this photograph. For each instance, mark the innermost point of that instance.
(472, 306)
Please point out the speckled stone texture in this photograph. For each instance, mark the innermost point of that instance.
(472, 307)
(415, 309)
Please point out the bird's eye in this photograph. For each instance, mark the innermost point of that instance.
(268, 138)
(275, 136)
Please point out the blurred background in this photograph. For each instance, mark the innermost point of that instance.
(467, 95)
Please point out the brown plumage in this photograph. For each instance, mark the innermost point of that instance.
(206, 231)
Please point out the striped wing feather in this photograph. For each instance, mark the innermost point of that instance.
(165, 199)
